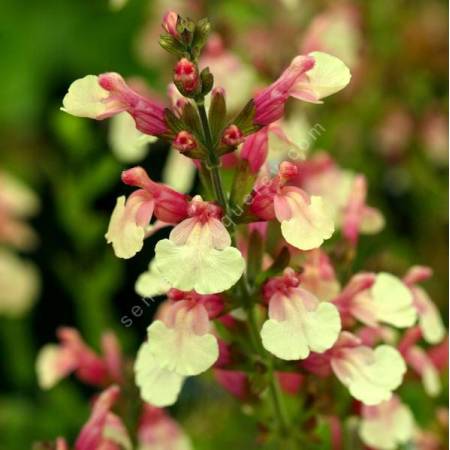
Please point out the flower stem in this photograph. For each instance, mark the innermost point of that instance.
(213, 160)
(276, 395)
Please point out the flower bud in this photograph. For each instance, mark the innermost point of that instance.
(186, 76)
(232, 136)
(184, 141)
(169, 23)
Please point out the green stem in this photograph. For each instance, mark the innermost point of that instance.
(213, 159)
(246, 294)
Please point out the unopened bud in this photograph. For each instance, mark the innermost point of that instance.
(169, 23)
(184, 141)
(186, 75)
(232, 136)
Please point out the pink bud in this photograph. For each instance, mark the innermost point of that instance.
(232, 136)
(186, 74)
(169, 23)
(255, 149)
(184, 141)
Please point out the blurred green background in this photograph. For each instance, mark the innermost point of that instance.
(390, 125)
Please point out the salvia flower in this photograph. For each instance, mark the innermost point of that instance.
(57, 361)
(181, 342)
(383, 298)
(198, 254)
(103, 96)
(305, 223)
(387, 425)
(309, 78)
(130, 220)
(158, 386)
(298, 323)
(179, 345)
(430, 321)
(104, 429)
(370, 374)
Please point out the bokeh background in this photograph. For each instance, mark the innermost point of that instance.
(390, 124)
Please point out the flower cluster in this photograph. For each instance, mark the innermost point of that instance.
(249, 269)
(105, 429)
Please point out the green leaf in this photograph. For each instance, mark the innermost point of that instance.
(217, 115)
(207, 79)
(171, 45)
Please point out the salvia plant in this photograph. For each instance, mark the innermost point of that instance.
(256, 274)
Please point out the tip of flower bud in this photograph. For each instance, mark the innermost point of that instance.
(184, 141)
(233, 136)
(169, 23)
(136, 176)
(218, 91)
(287, 170)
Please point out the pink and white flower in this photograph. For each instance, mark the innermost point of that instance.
(104, 430)
(430, 321)
(130, 220)
(370, 374)
(387, 425)
(103, 96)
(198, 254)
(378, 299)
(305, 223)
(179, 345)
(55, 362)
(309, 78)
(298, 323)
